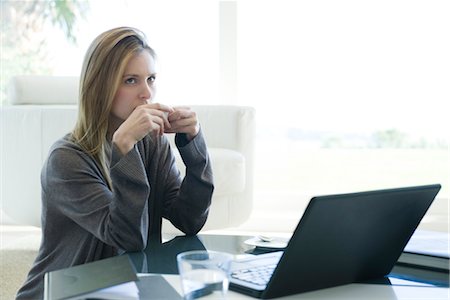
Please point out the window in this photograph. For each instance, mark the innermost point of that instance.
(350, 97)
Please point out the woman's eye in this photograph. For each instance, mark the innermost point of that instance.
(151, 78)
(130, 80)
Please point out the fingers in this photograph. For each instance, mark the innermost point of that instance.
(180, 123)
(183, 120)
(158, 114)
(162, 111)
(181, 112)
(165, 119)
(159, 106)
(182, 117)
(156, 124)
(162, 118)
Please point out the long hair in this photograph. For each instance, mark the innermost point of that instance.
(101, 75)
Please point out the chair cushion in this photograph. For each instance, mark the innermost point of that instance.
(228, 170)
(29, 89)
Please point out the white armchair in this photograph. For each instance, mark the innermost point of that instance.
(42, 109)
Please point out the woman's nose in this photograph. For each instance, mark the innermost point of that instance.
(146, 92)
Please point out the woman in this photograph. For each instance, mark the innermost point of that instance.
(107, 184)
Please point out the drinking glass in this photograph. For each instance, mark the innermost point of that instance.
(204, 273)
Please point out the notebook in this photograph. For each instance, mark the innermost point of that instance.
(340, 239)
(78, 281)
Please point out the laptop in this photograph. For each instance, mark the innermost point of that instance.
(340, 239)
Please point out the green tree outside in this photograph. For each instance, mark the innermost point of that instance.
(391, 138)
(24, 48)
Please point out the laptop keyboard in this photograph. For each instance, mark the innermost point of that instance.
(257, 275)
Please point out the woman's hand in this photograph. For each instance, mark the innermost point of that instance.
(145, 119)
(183, 120)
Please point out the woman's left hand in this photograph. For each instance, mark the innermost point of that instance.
(183, 120)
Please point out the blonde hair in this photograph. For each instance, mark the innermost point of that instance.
(101, 75)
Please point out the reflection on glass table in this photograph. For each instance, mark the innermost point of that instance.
(160, 258)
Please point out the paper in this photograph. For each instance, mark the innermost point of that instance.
(429, 242)
(124, 291)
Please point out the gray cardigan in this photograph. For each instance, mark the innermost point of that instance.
(83, 220)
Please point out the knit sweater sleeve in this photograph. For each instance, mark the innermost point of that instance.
(78, 191)
(187, 201)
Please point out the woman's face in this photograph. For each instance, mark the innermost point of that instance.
(137, 85)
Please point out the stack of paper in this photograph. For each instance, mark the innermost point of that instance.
(429, 249)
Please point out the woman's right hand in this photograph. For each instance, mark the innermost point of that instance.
(145, 119)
